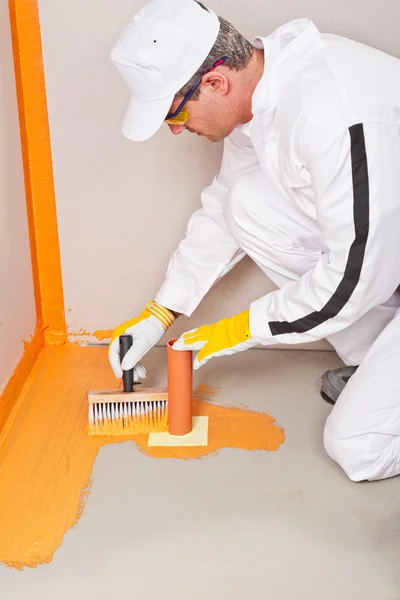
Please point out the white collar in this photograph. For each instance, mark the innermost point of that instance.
(285, 43)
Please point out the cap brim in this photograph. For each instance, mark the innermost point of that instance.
(144, 119)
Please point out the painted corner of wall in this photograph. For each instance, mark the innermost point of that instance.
(20, 340)
(38, 169)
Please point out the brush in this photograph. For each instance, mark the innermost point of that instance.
(126, 411)
(152, 410)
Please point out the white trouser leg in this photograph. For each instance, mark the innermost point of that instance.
(362, 434)
(271, 230)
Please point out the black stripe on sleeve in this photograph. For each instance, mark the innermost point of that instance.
(357, 251)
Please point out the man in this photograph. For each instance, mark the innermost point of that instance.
(309, 188)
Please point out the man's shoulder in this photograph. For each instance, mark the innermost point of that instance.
(339, 79)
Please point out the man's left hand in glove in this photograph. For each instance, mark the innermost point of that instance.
(228, 336)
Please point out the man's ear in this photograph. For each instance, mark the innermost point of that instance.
(216, 82)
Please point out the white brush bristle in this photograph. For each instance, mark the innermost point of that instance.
(99, 413)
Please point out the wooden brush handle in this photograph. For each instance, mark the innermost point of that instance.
(118, 396)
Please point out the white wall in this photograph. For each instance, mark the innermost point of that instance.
(122, 206)
(17, 305)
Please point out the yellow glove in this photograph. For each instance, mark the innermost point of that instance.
(147, 329)
(228, 336)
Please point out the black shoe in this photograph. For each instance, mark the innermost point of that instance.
(333, 383)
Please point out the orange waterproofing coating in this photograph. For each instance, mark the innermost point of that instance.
(18, 380)
(39, 190)
(38, 169)
(47, 458)
(180, 389)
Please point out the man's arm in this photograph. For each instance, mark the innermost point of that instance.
(204, 256)
(356, 180)
(357, 187)
(208, 251)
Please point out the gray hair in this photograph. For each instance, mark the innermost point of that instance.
(229, 43)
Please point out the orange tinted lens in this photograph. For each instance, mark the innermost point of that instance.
(180, 119)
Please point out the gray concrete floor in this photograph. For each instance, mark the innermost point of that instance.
(251, 525)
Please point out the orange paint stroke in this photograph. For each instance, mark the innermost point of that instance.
(207, 392)
(100, 334)
(9, 396)
(38, 169)
(46, 457)
(227, 428)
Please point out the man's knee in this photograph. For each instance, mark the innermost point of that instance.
(343, 452)
(363, 456)
(241, 193)
(249, 200)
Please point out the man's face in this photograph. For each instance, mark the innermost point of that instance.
(208, 117)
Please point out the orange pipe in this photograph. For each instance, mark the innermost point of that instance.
(180, 389)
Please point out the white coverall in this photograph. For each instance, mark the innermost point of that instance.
(310, 190)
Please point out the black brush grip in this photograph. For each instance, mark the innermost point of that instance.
(125, 342)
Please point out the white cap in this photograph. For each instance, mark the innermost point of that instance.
(160, 50)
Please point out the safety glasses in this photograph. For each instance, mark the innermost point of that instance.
(179, 117)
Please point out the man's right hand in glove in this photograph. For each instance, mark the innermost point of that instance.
(146, 330)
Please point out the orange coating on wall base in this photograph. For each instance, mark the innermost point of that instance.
(82, 335)
(9, 396)
(47, 457)
(102, 334)
(38, 169)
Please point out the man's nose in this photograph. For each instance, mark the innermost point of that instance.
(176, 129)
